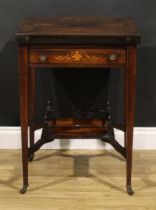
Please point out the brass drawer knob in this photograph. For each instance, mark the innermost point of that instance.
(43, 58)
(112, 57)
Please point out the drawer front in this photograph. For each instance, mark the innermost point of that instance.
(77, 57)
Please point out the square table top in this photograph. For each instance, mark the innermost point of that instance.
(104, 30)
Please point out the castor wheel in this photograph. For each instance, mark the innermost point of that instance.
(23, 189)
(129, 190)
(31, 157)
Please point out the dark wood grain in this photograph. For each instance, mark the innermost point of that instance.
(76, 42)
(77, 57)
(130, 103)
(31, 100)
(23, 73)
(69, 29)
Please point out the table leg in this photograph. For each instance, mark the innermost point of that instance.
(130, 101)
(23, 82)
(31, 96)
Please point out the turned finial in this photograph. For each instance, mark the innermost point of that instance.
(108, 111)
(48, 110)
(48, 106)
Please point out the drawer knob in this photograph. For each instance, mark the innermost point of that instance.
(112, 57)
(43, 58)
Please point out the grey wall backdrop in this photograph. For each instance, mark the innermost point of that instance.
(54, 83)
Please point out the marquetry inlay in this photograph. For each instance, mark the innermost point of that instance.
(77, 55)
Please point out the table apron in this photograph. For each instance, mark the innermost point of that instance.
(77, 57)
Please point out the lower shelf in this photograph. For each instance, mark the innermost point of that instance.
(73, 128)
(76, 128)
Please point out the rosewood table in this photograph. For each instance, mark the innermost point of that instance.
(76, 42)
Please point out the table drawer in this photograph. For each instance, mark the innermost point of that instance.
(77, 56)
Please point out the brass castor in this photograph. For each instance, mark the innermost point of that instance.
(23, 189)
(129, 190)
(31, 157)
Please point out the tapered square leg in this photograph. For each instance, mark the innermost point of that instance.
(31, 97)
(129, 112)
(23, 81)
